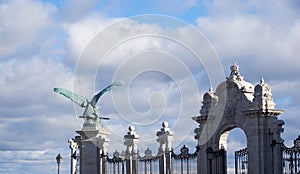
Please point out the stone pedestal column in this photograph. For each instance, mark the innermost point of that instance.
(131, 142)
(74, 145)
(264, 142)
(93, 150)
(165, 139)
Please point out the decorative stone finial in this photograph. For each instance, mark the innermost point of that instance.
(234, 74)
(73, 144)
(131, 128)
(210, 99)
(165, 124)
(262, 81)
(210, 90)
(263, 96)
(165, 137)
(131, 140)
(234, 68)
(131, 133)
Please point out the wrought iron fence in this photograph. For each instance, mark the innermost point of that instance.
(148, 164)
(116, 164)
(216, 161)
(291, 158)
(183, 163)
(241, 161)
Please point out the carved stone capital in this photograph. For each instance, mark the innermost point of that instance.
(131, 140)
(165, 137)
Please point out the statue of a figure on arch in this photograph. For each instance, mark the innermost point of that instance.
(91, 116)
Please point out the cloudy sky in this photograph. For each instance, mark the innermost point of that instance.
(167, 61)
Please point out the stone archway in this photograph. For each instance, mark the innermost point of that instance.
(233, 141)
(239, 104)
(223, 140)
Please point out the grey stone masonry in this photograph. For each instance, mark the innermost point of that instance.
(93, 146)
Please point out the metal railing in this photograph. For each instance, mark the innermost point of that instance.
(183, 163)
(291, 158)
(241, 161)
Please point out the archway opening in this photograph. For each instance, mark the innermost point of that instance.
(232, 140)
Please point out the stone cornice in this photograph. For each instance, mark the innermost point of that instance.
(263, 112)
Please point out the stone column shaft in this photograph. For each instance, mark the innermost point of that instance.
(73, 146)
(131, 142)
(165, 139)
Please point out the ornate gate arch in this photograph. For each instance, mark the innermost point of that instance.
(239, 104)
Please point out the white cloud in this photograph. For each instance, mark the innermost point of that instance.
(82, 31)
(270, 38)
(34, 77)
(248, 37)
(29, 107)
(20, 24)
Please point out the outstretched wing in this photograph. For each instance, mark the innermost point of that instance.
(78, 99)
(115, 85)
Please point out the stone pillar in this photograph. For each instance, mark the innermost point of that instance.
(93, 151)
(205, 145)
(263, 132)
(264, 143)
(131, 142)
(165, 139)
(73, 146)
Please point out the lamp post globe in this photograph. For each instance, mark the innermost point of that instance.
(58, 160)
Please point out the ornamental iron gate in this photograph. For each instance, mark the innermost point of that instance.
(183, 163)
(291, 158)
(241, 161)
(216, 161)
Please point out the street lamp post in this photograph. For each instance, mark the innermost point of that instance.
(58, 160)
